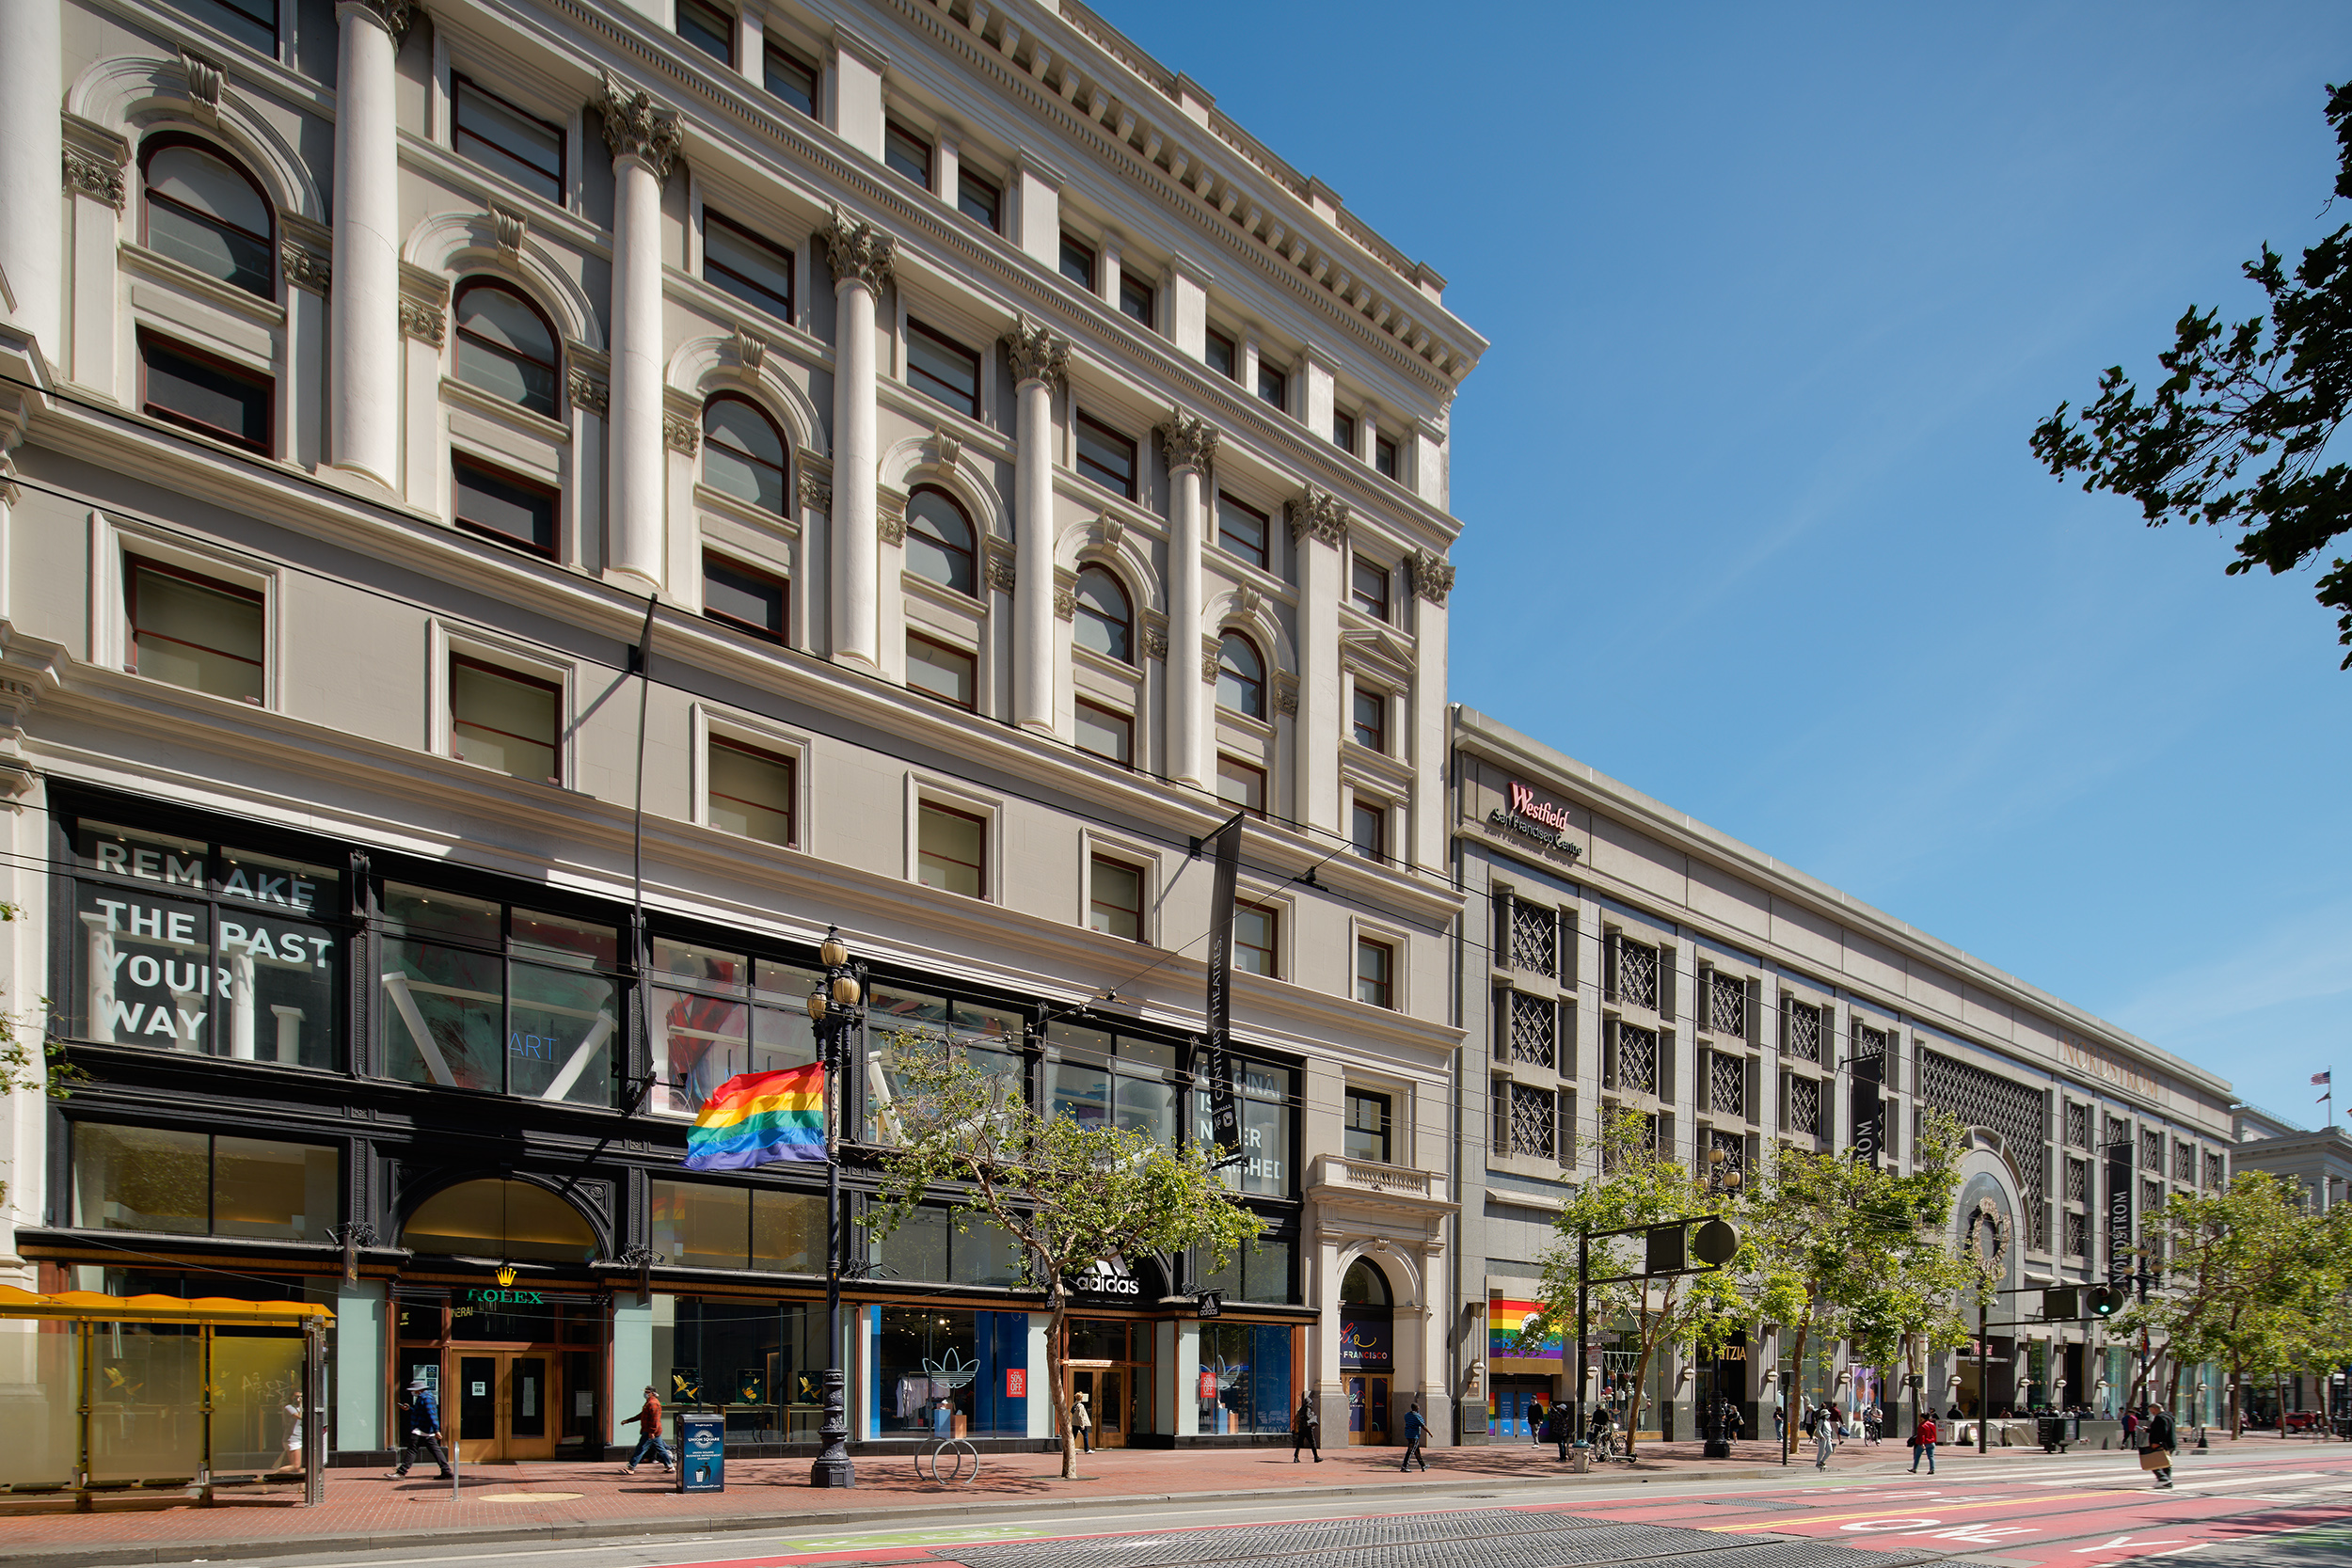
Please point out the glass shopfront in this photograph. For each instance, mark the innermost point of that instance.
(1246, 1378)
(759, 1364)
(1111, 1363)
(972, 1367)
(518, 1371)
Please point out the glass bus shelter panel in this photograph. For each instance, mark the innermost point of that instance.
(40, 1392)
(146, 1402)
(256, 1378)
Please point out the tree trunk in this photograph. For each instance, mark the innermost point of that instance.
(2237, 1402)
(1057, 1373)
(1796, 1387)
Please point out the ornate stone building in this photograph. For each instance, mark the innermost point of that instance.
(1026, 469)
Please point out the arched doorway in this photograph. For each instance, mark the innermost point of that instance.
(1367, 1349)
(508, 1362)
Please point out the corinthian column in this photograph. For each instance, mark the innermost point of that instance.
(1318, 533)
(1039, 363)
(363, 431)
(862, 255)
(644, 137)
(1191, 446)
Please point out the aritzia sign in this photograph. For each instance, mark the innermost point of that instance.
(1545, 822)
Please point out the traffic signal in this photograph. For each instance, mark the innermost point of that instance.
(2061, 1304)
(2106, 1301)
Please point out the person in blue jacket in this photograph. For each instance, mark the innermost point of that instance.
(1416, 1438)
(421, 1427)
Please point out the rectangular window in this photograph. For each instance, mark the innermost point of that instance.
(1368, 588)
(1383, 456)
(908, 153)
(979, 200)
(1223, 357)
(1256, 929)
(1375, 979)
(750, 792)
(913, 1344)
(942, 369)
(251, 23)
(1241, 783)
(481, 995)
(1104, 734)
(718, 1014)
(791, 78)
(744, 598)
(499, 719)
(504, 505)
(185, 945)
(1365, 1135)
(701, 1225)
(192, 631)
(707, 29)
(1372, 719)
(209, 396)
(1368, 830)
(1115, 898)
(514, 146)
(947, 674)
(951, 850)
(1077, 262)
(1106, 457)
(752, 270)
(199, 1184)
(1273, 385)
(1136, 298)
(1343, 431)
(1243, 530)
(1264, 1097)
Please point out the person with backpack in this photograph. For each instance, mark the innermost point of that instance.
(2160, 1444)
(1560, 1427)
(1923, 1442)
(1307, 1429)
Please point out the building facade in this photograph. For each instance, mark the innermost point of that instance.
(1020, 471)
(1617, 955)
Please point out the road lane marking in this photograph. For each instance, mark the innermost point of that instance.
(2266, 1478)
(1947, 1508)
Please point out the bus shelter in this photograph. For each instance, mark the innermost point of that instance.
(102, 1393)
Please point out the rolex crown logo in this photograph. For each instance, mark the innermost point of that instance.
(505, 1276)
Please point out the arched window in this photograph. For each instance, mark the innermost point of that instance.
(939, 539)
(206, 212)
(505, 347)
(1103, 622)
(743, 453)
(1240, 677)
(1364, 1285)
(499, 1217)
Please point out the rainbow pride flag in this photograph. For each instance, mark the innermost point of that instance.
(759, 1119)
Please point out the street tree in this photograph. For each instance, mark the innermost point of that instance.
(2239, 431)
(1637, 1186)
(1840, 1249)
(958, 1128)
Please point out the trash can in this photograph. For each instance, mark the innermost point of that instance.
(1580, 1459)
(701, 1455)
(2056, 1432)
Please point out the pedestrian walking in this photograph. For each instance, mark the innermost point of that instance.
(2130, 1425)
(1780, 1424)
(1416, 1437)
(1538, 1414)
(290, 1455)
(1923, 1443)
(1560, 1427)
(2160, 1443)
(1082, 1422)
(421, 1427)
(1822, 1429)
(648, 1421)
(1307, 1429)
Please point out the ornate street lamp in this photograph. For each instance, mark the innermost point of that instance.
(1724, 1178)
(834, 1010)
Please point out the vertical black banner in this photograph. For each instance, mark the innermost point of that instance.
(1866, 1108)
(2120, 1262)
(1223, 1117)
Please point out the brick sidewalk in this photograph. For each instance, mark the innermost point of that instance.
(546, 1502)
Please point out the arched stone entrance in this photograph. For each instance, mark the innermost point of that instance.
(1367, 1349)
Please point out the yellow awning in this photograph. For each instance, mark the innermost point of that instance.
(94, 1307)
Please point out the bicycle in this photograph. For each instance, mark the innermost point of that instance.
(962, 1452)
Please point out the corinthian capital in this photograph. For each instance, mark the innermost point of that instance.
(1190, 442)
(1321, 513)
(634, 123)
(1433, 576)
(860, 252)
(1035, 354)
(395, 15)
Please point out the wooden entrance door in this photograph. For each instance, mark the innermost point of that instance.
(1110, 1408)
(506, 1406)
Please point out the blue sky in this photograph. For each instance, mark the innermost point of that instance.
(1776, 296)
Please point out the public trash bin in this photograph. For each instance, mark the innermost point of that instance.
(2057, 1432)
(1580, 1459)
(701, 1457)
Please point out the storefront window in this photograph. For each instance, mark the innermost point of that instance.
(461, 975)
(926, 1358)
(1094, 1076)
(199, 1184)
(701, 1225)
(761, 1363)
(992, 1036)
(1260, 1270)
(1245, 1378)
(497, 1218)
(181, 945)
(717, 1014)
(941, 1246)
(1263, 1098)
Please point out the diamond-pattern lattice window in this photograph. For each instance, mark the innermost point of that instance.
(2078, 1127)
(2150, 1198)
(2184, 1164)
(1727, 1085)
(2119, 1132)
(1637, 973)
(2214, 1177)
(1536, 940)
(2077, 1235)
(1805, 1106)
(1734, 1150)
(1801, 1032)
(1535, 1030)
(2019, 1114)
(2151, 1151)
(1869, 1042)
(1532, 1128)
(2078, 1182)
(1637, 1059)
(1727, 1005)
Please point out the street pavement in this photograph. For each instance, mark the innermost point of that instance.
(2254, 1504)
